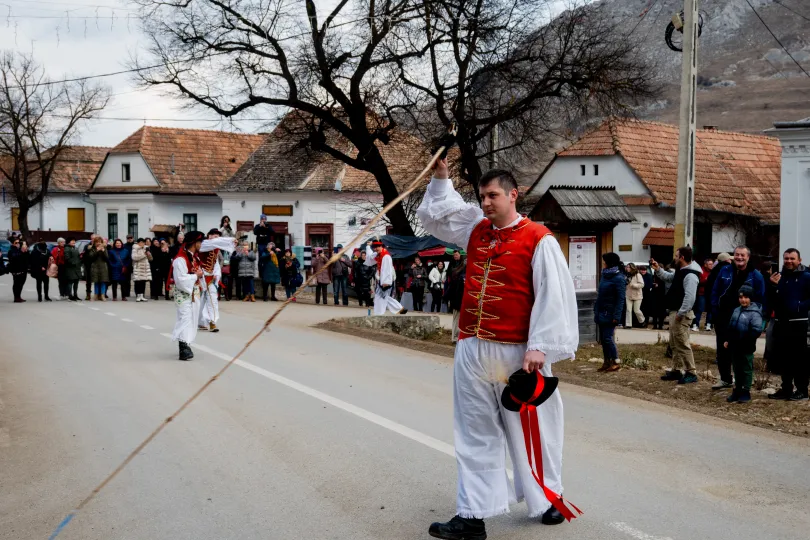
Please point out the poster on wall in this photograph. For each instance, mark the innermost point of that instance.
(582, 262)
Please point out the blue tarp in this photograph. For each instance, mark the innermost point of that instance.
(402, 247)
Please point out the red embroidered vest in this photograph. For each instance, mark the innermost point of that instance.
(498, 292)
(207, 261)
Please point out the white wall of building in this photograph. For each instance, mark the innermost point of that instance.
(169, 210)
(794, 218)
(111, 175)
(633, 233)
(613, 172)
(332, 208)
(726, 238)
(122, 205)
(55, 216)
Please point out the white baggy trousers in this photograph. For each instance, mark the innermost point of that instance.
(209, 305)
(484, 429)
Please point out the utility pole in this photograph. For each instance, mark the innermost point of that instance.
(493, 147)
(685, 198)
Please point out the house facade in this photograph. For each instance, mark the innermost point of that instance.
(67, 207)
(312, 199)
(166, 176)
(736, 185)
(794, 222)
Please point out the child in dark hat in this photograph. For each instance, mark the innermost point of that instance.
(744, 328)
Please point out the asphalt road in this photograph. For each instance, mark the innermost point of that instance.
(320, 435)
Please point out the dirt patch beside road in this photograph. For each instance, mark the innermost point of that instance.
(640, 377)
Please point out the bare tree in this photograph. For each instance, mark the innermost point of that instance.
(39, 118)
(237, 56)
(499, 68)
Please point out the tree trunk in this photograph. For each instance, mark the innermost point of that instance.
(397, 216)
(470, 167)
(22, 220)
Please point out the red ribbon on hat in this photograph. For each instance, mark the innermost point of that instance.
(531, 436)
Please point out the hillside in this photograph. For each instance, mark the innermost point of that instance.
(747, 81)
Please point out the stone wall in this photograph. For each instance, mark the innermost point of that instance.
(412, 326)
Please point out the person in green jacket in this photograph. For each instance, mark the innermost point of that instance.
(269, 272)
(73, 270)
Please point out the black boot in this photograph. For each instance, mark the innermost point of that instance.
(185, 351)
(552, 517)
(459, 528)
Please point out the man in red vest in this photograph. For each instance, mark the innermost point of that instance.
(519, 310)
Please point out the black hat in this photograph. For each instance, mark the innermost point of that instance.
(214, 231)
(747, 291)
(376, 244)
(527, 388)
(192, 237)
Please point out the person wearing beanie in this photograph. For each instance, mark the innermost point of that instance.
(264, 233)
(725, 299)
(743, 330)
(609, 307)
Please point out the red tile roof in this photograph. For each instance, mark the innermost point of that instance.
(734, 172)
(74, 171)
(659, 237)
(190, 161)
(283, 164)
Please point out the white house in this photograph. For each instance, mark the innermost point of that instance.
(166, 176)
(67, 206)
(794, 218)
(736, 185)
(310, 198)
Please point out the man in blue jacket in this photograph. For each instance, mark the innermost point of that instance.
(726, 298)
(789, 295)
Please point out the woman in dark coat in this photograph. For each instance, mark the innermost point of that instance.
(18, 267)
(73, 270)
(39, 258)
(118, 268)
(159, 266)
(609, 308)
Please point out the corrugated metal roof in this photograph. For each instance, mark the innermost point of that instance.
(592, 205)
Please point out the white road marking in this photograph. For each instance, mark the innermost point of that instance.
(145, 327)
(635, 533)
(110, 313)
(95, 309)
(127, 320)
(405, 431)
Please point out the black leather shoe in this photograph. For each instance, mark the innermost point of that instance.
(552, 517)
(459, 528)
(185, 352)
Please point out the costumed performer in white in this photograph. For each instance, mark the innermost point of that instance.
(518, 311)
(377, 255)
(212, 275)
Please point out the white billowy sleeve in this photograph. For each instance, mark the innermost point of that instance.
(217, 272)
(221, 243)
(387, 273)
(554, 327)
(182, 279)
(371, 257)
(445, 215)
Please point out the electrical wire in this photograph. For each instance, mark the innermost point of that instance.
(776, 38)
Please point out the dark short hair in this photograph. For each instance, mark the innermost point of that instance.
(686, 253)
(71, 239)
(504, 178)
(141, 240)
(611, 259)
(794, 250)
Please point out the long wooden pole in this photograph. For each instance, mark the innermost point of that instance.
(138, 449)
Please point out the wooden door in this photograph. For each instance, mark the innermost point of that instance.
(75, 219)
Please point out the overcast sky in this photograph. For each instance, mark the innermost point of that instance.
(87, 37)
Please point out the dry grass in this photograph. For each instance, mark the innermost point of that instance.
(640, 377)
